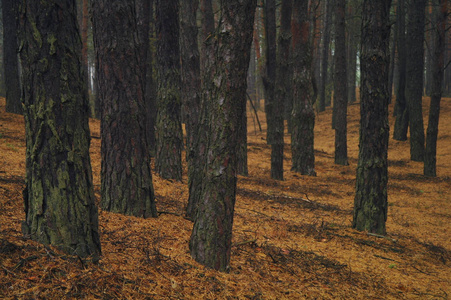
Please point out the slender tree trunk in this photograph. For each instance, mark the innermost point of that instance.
(415, 71)
(393, 40)
(341, 93)
(198, 153)
(430, 160)
(401, 110)
(127, 186)
(10, 60)
(191, 89)
(211, 238)
(282, 87)
(370, 205)
(169, 136)
(272, 107)
(59, 196)
(325, 56)
(303, 117)
(352, 44)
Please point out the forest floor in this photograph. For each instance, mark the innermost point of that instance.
(291, 239)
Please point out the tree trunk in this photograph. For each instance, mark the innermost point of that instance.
(341, 93)
(274, 136)
(401, 110)
(10, 60)
(430, 159)
(352, 44)
(325, 56)
(190, 68)
(127, 186)
(150, 95)
(370, 205)
(393, 40)
(169, 135)
(414, 71)
(198, 152)
(303, 117)
(211, 238)
(59, 196)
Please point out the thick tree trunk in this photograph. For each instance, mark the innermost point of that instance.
(303, 117)
(370, 205)
(341, 93)
(127, 186)
(325, 56)
(401, 110)
(198, 153)
(430, 160)
(169, 135)
(59, 196)
(10, 60)
(211, 238)
(414, 72)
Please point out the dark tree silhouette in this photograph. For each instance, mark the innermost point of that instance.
(303, 116)
(325, 55)
(59, 195)
(340, 85)
(126, 180)
(430, 160)
(401, 110)
(414, 73)
(169, 136)
(370, 205)
(211, 238)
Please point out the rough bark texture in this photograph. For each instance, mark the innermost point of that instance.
(198, 152)
(190, 71)
(150, 96)
(325, 56)
(303, 115)
(370, 205)
(282, 87)
(430, 160)
(169, 136)
(127, 186)
(414, 72)
(272, 106)
(211, 238)
(401, 111)
(59, 196)
(340, 85)
(10, 60)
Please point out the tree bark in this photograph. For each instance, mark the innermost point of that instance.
(211, 238)
(10, 60)
(126, 186)
(430, 159)
(198, 152)
(190, 71)
(169, 136)
(274, 116)
(150, 96)
(352, 43)
(401, 110)
(59, 196)
(341, 92)
(325, 56)
(414, 71)
(303, 117)
(370, 205)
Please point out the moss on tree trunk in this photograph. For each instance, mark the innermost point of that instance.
(59, 196)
